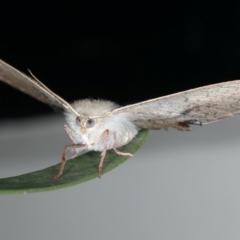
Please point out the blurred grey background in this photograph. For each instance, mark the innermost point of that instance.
(180, 185)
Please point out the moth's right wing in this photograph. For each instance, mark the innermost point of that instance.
(32, 87)
(196, 106)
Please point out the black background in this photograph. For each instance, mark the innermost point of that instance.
(124, 53)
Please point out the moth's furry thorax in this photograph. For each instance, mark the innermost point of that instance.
(121, 130)
(93, 107)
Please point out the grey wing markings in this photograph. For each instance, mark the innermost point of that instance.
(196, 106)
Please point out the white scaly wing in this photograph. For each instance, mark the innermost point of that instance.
(32, 87)
(196, 106)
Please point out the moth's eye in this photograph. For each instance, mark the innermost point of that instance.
(90, 123)
(78, 121)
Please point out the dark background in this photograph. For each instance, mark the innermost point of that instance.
(124, 53)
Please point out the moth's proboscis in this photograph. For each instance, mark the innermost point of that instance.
(101, 125)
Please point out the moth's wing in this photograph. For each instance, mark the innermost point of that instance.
(32, 87)
(196, 106)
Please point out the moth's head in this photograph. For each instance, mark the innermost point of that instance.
(86, 109)
(85, 122)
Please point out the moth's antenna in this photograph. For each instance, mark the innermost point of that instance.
(35, 78)
(65, 104)
(32, 74)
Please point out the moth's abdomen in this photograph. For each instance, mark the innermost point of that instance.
(122, 131)
(125, 138)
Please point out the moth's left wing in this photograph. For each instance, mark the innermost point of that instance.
(32, 87)
(196, 106)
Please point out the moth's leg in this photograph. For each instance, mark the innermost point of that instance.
(64, 156)
(117, 151)
(105, 138)
(69, 133)
(122, 153)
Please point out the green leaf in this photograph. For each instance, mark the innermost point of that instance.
(77, 170)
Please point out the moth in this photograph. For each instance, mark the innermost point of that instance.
(101, 125)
